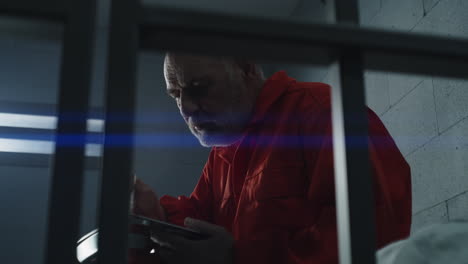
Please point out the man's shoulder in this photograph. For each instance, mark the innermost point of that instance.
(309, 96)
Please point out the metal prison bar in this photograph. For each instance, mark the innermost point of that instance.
(157, 28)
(75, 79)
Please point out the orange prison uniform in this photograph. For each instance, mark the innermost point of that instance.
(274, 190)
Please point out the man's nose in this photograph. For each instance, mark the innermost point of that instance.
(188, 106)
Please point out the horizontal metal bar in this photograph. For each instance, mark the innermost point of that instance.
(164, 28)
(55, 10)
(267, 50)
(417, 64)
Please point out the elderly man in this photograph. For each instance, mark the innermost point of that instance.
(266, 193)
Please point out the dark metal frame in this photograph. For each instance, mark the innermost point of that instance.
(353, 183)
(267, 39)
(162, 28)
(75, 80)
(54, 10)
(117, 164)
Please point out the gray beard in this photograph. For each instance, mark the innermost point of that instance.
(208, 139)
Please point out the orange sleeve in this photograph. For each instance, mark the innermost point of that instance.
(303, 229)
(389, 171)
(392, 188)
(198, 205)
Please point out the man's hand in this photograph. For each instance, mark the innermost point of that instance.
(216, 249)
(146, 202)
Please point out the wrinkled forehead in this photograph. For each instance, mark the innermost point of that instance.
(181, 69)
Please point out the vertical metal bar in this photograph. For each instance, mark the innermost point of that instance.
(118, 143)
(68, 165)
(354, 195)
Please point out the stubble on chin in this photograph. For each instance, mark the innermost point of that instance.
(210, 139)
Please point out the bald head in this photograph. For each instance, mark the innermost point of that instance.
(215, 95)
(174, 62)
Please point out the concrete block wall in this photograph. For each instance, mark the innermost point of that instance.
(426, 115)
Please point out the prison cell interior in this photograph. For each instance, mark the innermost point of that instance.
(137, 27)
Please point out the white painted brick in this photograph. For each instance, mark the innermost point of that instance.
(377, 97)
(451, 97)
(429, 4)
(400, 84)
(447, 18)
(458, 207)
(327, 78)
(434, 215)
(314, 11)
(367, 10)
(305, 73)
(398, 14)
(333, 77)
(412, 122)
(439, 169)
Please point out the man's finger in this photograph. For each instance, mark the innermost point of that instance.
(203, 226)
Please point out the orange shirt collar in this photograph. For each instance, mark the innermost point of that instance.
(272, 90)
